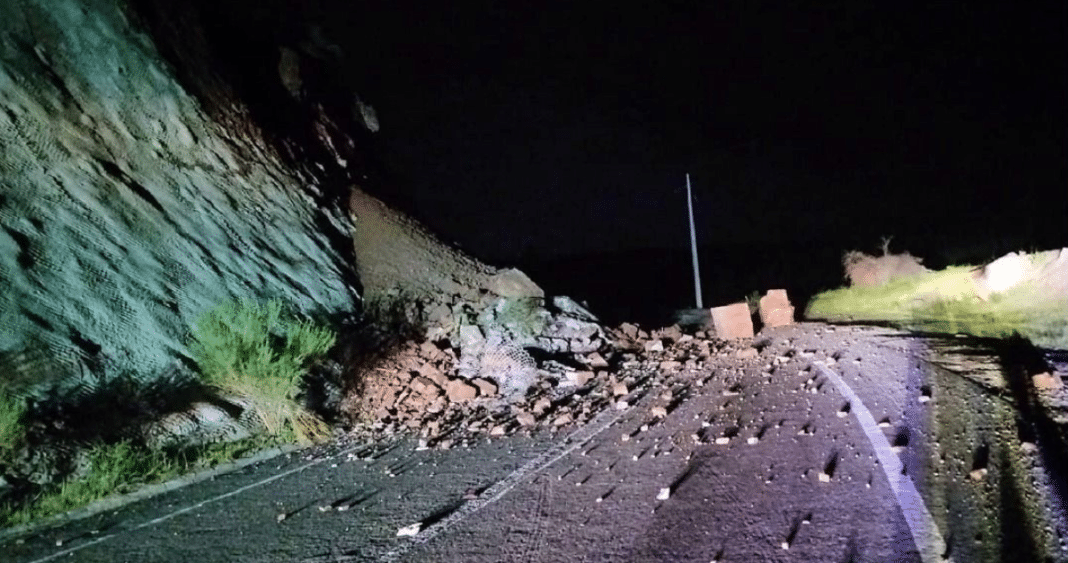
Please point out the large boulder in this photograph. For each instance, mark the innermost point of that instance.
(514, 328)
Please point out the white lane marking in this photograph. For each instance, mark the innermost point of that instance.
(200, 504)
(925, 533)
(574, 441)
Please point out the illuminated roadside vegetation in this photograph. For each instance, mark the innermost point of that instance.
(258, 354)
(120, 468)
(946, 302)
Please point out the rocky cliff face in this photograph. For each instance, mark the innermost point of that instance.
(128, 206)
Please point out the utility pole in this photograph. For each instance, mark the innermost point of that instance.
(693, 245)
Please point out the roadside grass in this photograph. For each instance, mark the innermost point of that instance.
(121, 468)
(893, 301)
(259, 354)
(113, 469)
(946, 302)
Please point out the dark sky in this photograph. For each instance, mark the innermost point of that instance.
(566, 128)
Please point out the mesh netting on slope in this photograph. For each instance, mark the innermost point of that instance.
(503, 361)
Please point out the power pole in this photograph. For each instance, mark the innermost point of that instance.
(693, 246)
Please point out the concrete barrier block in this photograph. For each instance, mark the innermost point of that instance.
(775, 309)
(732, 321)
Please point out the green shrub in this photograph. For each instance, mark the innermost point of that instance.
(12, 423)
(261, 355)
(753, 301)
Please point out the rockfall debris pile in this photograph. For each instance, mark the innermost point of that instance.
(419, 390)
(495, 354)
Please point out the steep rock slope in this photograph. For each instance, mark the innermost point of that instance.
(128, 207)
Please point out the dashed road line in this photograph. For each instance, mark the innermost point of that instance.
(573, 441)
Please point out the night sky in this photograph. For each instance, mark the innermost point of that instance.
(548, 129)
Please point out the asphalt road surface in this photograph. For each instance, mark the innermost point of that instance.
(843, 444)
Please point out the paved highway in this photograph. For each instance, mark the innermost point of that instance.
(842, 444)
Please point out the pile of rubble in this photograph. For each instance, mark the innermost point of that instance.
(418, 389)
(418, 382)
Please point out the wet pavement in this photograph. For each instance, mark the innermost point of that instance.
(807, 452)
